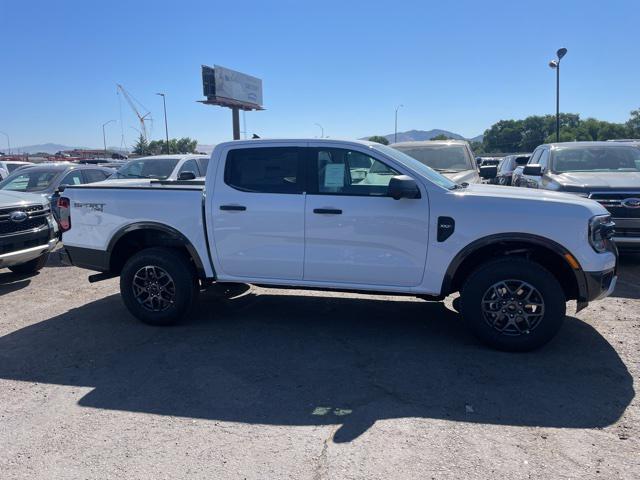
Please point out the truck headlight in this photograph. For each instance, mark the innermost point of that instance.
(601, 230)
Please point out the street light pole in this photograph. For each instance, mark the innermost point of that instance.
(8, 141)
(555, 64)
(395, 134)
(166, 128)
(104, 137)
(321, 130)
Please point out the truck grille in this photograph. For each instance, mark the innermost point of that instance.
(615, 203)
(37, 218)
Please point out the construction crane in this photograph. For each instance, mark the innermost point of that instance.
(142, 118)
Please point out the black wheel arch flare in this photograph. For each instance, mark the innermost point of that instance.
(519, 238)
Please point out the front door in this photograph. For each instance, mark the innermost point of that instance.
(355, 233)
(258, 213)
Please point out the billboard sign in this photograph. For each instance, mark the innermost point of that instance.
(224, 83)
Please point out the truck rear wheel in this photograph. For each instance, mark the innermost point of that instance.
(31, 266)
(158, 286)
(513, 304)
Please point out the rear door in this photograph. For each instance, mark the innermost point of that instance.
(258, 213)
(355, 233)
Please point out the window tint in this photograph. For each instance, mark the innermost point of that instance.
(203, 164)
(347, 172)
(33, 181)
(544, 159)
(13, 166)
(265, 170)
(94, 175)
(73, 178)
(190, 166)
(535, 157)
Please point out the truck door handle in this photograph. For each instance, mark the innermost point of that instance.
(328, 211)
(237, 208)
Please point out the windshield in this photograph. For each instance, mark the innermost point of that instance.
(419, 167)
(444, 158)
(29, 181)
(596, 159)
(157, 168)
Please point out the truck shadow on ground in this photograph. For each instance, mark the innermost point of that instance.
(12, 282)
(313, 360)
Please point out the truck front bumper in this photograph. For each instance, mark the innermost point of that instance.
(26, 255)
(600, 284)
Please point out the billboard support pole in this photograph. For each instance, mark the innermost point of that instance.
(236, 123)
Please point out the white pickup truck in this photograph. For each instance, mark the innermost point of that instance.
(345, 215)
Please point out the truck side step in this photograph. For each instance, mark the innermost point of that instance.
(98, 277)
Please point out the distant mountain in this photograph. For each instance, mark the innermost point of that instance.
(205, 148)
(43, 147)
(420, 135)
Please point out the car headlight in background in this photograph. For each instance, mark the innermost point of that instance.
(601, 230)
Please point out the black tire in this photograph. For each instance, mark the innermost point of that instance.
(509, 331)
(172, 305)
(32, 266)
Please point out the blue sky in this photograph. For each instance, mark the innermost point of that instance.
(455, 65)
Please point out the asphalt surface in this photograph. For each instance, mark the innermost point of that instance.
(295, 384)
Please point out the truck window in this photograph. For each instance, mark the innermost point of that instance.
(190, 166)
(265, 170)
(347, 172)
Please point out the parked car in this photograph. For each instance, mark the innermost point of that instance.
(46, 178)
(28, 232)
(608, 172)
(8, 166)
(303, 213)
(506, 168)
(452, 158)
(164, 167)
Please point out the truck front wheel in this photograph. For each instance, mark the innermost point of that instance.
(513, 304)
(158, 286)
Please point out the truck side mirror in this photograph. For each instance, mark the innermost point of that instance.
(403, 186)
(533, 169)
(489, 171)
(187, 175)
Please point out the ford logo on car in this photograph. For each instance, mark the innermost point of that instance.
(631, 202)
(18, 216)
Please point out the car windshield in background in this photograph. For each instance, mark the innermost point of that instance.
(420, 167)
(596, 159)
(29, 181)
(443, 158)
(157, 168)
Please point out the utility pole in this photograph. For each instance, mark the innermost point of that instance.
(395, 134)
(104, 137)
(555, 64)
(166, 128)
(8, 142)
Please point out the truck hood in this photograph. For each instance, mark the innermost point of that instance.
(532, 195)
(465, 176)
(10, 199)
(593, 181)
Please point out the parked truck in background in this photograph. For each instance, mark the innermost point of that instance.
(607, 172)
(28, 232)
(345, 215)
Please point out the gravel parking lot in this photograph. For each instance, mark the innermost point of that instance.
(306, 385)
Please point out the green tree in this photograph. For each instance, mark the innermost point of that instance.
(441, 136)
(633, 124)
(141, 147)
(379, 139)
(176, 145)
